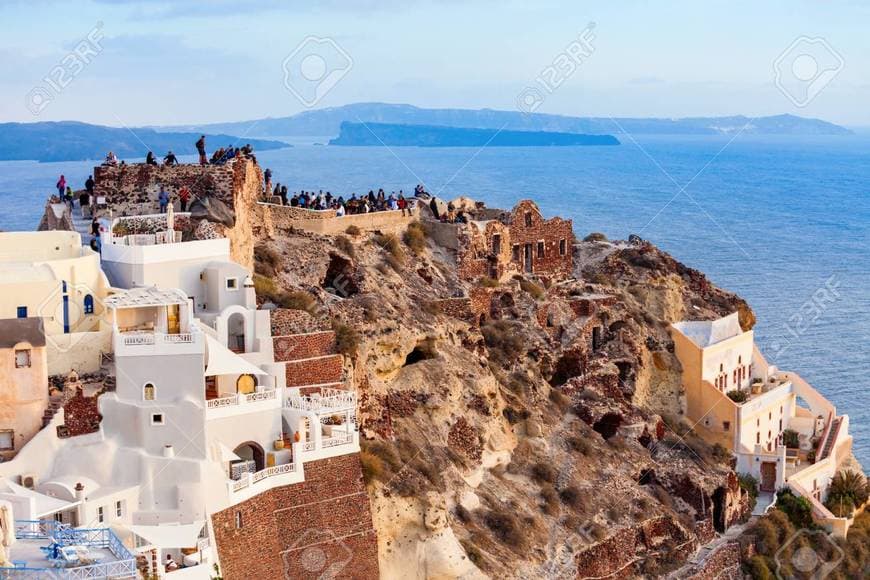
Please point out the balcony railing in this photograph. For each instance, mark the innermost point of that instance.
(250, 479)
(151, 338)
(241, 399)
(327, 400)
(336, 440)
(124, 566)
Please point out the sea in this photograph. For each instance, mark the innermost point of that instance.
(782, 221)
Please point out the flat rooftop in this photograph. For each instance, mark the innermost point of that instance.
(29, 247)
(706, 333)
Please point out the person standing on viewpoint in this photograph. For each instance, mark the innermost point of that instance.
(200, 148)
(183, 197)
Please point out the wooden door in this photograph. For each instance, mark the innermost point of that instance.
(768, 476)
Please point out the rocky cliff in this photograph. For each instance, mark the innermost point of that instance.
(513, 429)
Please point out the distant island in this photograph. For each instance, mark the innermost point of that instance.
(73, 141)
(381, 134)
(327, 122)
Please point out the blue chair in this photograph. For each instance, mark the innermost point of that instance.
(19, 563)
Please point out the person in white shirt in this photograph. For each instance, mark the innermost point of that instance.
(339, 211)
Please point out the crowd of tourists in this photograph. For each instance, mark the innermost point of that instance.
(372, 202)
(220, 157)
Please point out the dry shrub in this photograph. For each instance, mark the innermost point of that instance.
(551, 499)
(415, 237)
(571, 497)
(503, 340)
(543, 472)
(595, 237)
(395, 263)
(347, 338)
(372, 466)
(345, 245)
(488, 282)
(506, 527)
(390, 243)
(266, 260)
(296, 300)
(560, 399)
(353, 230)
(532, 289)
(579, 444)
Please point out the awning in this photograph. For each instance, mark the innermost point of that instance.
(170, 536)
(225, 453)
(223, 361)
(43, 505)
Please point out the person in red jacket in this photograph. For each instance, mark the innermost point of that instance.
(61, 187)
(183, 197)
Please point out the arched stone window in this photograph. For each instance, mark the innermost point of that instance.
(89, 304)
(149, 392)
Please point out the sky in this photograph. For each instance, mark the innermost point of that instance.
(166, 63)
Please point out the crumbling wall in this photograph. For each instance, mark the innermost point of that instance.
(56, 216)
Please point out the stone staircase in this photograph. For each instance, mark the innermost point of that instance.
(82, 225)
(832, 438)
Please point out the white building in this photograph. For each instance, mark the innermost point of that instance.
(200, 418)
(783, 431)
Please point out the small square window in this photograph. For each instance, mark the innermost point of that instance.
(232, 283)
(22, 359)
(7, 439)
(157, 419)
(22, 312)
(726, 425)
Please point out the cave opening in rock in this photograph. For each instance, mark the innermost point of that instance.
(571, 364)
(340, 277)
(719, 509)
(647, 477)
(424, 350)
(626, 374)
(608, 424)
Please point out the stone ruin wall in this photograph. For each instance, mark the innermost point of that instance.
(328, 515)
(133, 190)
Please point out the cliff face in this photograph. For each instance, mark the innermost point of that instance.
(515, 430)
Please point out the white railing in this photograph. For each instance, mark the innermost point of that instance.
(203, 544)
(308, 446)
(239, 399)
(337, 440)
(250, 479)
(151, 338)
(327, 400)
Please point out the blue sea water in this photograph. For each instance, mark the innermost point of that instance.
(782, 221)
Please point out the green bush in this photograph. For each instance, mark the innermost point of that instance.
(791, 439)
(798, 509)
(738, 396)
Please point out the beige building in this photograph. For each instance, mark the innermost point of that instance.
(50, 275)
(23, 382)
(782, 430)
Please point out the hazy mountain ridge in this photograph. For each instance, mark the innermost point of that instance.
(74, 141)
(328, 121)
(382, 134)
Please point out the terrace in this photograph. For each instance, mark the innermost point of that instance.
(47, 549)
(320, 399)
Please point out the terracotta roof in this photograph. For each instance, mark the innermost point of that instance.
(15, 330)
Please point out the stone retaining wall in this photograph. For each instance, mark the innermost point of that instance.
(315, 371)
(327, 515)
(283, 218)
(301, 346)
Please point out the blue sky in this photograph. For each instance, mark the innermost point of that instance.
(193, 62)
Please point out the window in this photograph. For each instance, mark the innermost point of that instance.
(7, 439)
(22, 358)
(89, 304)
(238, 520)
(528, 219)
(563, 247)
(780, 425)
(148, 392)
(22, 312)
(726, 425)
(157, 419)
(119, 509)
(540, 249)
(496, 244)
(515, 254)
(758, 438)
(232, 283)
(101, 516)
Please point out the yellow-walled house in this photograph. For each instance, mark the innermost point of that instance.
(23, 382)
